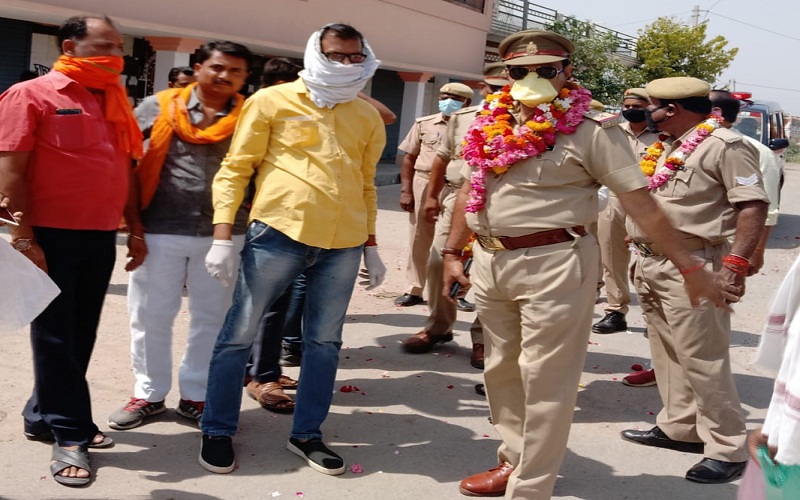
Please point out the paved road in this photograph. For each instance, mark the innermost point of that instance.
(415, 425)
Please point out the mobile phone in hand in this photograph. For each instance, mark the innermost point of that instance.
(7, 217)
(457, 286)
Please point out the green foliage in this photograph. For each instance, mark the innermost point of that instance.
(671, 48)
(793, 153)
(594, 63)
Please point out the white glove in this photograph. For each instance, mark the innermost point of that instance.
(220, 261)
(376, 271)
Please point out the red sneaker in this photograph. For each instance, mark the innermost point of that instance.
(644, 378)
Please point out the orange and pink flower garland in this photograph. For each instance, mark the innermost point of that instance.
(493, 144)
(677, 159)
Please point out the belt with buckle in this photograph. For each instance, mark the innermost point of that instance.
(691, 244)
(549, 237)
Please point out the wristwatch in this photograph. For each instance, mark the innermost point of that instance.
(22, 244)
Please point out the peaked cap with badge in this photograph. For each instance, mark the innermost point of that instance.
(534, 47)
(495, 74)
(637, 93)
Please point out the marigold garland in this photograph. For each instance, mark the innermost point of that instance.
(493, 144)
(676, 160)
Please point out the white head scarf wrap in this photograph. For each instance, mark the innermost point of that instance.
(332, 83)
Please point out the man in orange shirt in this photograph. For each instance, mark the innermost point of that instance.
(66, 164)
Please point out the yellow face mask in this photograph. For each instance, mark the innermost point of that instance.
(532, 90)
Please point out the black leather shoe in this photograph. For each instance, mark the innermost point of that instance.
(712, 471)
(612, 322)
(463, 305)
(408, 300)
(656, 437)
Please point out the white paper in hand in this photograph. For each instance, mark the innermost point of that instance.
(27, 290)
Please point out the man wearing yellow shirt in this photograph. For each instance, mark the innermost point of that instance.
(312, 147)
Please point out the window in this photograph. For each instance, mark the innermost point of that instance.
(477, 5)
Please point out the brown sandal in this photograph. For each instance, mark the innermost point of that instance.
(288, 382)
(270, 396)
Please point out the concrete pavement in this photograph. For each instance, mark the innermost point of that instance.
(415, 426)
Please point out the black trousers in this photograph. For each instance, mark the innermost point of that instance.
(80, 262)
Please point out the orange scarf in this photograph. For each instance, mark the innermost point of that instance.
(174, 118)
(102, 73)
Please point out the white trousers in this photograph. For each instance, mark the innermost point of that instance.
(154, 299)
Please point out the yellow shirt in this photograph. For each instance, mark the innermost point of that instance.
(314, 167)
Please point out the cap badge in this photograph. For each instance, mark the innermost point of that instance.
(532, 48)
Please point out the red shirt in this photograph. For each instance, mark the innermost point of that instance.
(77, 179)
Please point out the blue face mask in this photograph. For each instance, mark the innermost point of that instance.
(449, 106)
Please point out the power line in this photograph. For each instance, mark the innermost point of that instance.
(766, 87)
(754, 26)
(649, 19)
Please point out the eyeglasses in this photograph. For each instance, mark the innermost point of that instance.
(338, 57)
(546, 72)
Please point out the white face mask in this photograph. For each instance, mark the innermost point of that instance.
(532, 90)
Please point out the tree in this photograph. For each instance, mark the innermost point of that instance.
(671, 48)
(594, 62)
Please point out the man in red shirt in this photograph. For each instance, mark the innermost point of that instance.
(66, 163)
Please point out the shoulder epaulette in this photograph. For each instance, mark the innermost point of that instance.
(426, 118)
(727, 135)
(604, 119)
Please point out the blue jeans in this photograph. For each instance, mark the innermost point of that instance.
(281, 327)
(271, 261)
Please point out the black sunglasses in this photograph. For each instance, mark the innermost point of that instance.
(339, 57)
(546, 72)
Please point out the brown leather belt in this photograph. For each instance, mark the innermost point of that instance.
(549, 237)
(691, 244)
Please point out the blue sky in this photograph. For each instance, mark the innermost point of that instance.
(766, 33)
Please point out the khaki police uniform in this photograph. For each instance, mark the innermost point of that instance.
(423, 140)
(690, 345)
(443, 312)
(611, 234)
(536, 303)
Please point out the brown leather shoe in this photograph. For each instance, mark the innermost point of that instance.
(491, 483)
(424, 341)
(477, 356)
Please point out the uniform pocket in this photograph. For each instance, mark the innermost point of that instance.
(681, 183)
(549, 163)
(69, 132)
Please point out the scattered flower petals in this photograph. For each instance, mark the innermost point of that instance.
(385, 374)
(650, 413)
(349, 388)
(396, 452)
(485, 435)
(614, 378)
(356, 469)
(637, 367)
(299, 494)
(451, 387)
(368, 359)
(275, 494)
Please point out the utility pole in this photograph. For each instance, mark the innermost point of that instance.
(695, 16)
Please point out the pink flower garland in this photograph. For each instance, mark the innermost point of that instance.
(492, 143)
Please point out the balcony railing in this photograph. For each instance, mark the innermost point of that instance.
(511, 16)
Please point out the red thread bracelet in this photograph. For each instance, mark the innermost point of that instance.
(692, 269)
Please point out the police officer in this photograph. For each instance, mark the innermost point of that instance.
(611, 222)
(420, 145)
(445, 180)
(714, 191)
(535, 268)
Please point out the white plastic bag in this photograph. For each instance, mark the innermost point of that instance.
(25, 290)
